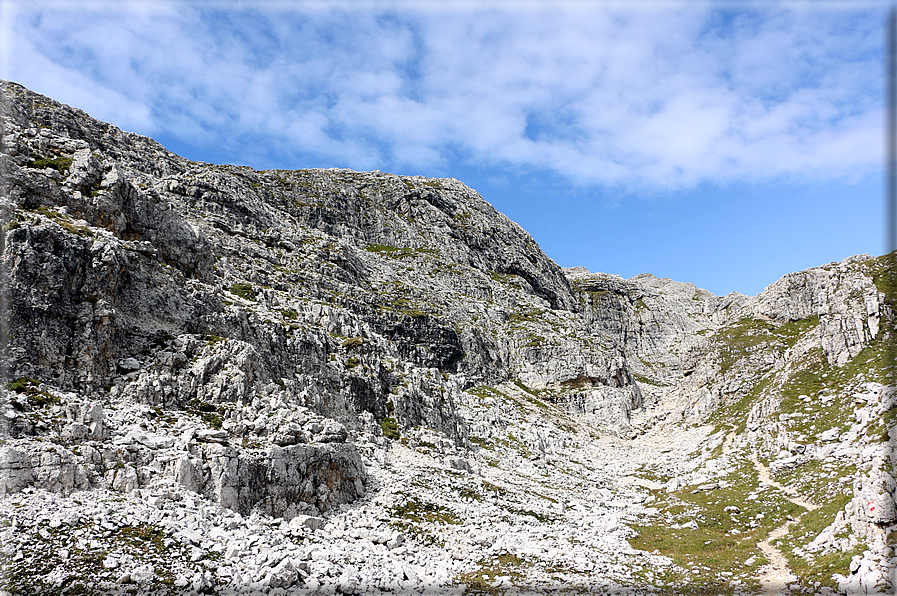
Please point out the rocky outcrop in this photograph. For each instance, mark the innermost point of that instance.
(300, 465)
(347, 288)
(220, 343)
(678, 336)
(365, 296)
(842, 295)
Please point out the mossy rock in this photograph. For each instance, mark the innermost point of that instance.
(243, 290)
(60, 164)
(390, 428)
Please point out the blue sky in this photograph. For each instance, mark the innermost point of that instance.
(720, 143)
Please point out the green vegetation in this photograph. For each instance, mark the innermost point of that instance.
(506, 278)
(390, 428)
(533, 341)
(485, 391)
(489, 569)
(484, 443)
(406, 307)
(352, 342)
(143, 543)
(520, 384)
(498, 490)
(289, 314)
(394, 252)
(748, 336)
(531, 395)
(31, 389)
(243, 290)
(518, 445)
(422, 511)
(542, 517)
(60, 164)
(527, 316)
(737, 339)
(143, 536)
(820, 567)
(737, 411)
(817, 378)
(211, 414)
(95, 188)
(405, 300)
(65, 222)
(700, 533)
(467, 493)
(211, 340)
(462, 220)
(432, 183)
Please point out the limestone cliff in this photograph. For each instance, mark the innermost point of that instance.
(140, 277)
(273, 342)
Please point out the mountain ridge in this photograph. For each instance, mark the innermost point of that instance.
(300, 351)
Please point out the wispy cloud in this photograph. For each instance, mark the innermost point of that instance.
(629, 95)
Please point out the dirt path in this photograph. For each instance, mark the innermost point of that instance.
(730, 439)
(775, 576)
(765, 478)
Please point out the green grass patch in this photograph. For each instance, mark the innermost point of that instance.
(423, 511)
(395, 252)
(506, 278)
(651, 472)
(722, 540)
(30, 388)
(243, 290)
(817, 481)
(65, 222)
(60, 164)
(531, 395)
(818, 376)
(738, 410)
(484, 443)
(819, 568)
(542, 517)
(469, 493)
(736, 339)
(485, 391)
(390, 428)
(489, 569)
(792, 331)
(211, 340)
(211, 414)
(352, 342)
(526, 316)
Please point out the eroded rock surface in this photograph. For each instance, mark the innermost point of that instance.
(321, 380)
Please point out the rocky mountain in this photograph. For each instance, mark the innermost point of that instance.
(223, 380)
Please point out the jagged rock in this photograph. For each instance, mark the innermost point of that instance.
(220, 343)
(49, 466)
(283, 479)
(306, 521)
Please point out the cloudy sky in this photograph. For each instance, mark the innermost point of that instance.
(721, 143)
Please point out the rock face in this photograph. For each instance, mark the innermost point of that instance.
(676, 334)
(276, 345)
(344, 287)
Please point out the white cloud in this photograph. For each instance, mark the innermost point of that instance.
(603, 93)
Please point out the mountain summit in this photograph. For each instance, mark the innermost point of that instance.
(224, 380)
